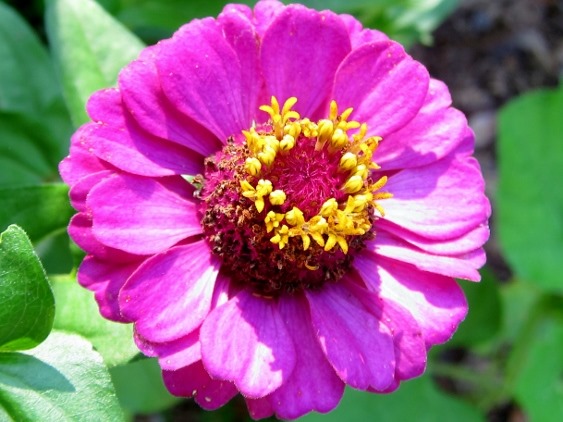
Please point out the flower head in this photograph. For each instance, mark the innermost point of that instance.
(279, 200)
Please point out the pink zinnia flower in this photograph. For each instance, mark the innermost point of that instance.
(279, 200)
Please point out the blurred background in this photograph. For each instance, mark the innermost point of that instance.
(502, 61)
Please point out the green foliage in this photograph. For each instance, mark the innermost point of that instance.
(26, 71)
(529, 204)
(61, 380)
(415, 400)
(28, 307)
(22, 206)
(89, 47)
(484, 319)
(77, 312)
(538, 366)
(140, 388)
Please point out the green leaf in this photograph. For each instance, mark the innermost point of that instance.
(484, 318)
(529, 205)
(535, 366)
(62, 380)
(415, 400)
(29, 152)
(89, 47)
(140, 388)
(40, 210)
(28, 307)
(27, 76)
(77, 312)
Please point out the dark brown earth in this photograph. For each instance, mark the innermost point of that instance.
(488, 52)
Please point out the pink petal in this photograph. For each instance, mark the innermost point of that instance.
(300, 53)
(434, 132)
(264, 14)
(246, 341)
(147, 104)
(80, 162)
(140, 215)
(357, 345)
(140, 153)
(169, 296)
(385, 86)
(104, 106)
(392, 247)
(194, 381)
(442, 200)
(81, 188)
(260, 408)
(410, 349)
(202, 77)
(105, 279)
(463, 244)
(360, 35)
(80, 231)
(184, 351)
(175, 354)
(436, 302)
(240, 33)
(313, 384)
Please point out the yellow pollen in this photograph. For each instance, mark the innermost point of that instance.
(337, 220)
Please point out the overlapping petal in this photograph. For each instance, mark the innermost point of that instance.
(183, 278)
(384, 84)
(245, 341)
(350, 336)
(202, 77)
(292, 63)
(154, 218)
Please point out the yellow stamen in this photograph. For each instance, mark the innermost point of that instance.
(277, 197)
(337, 220)
(252, 166)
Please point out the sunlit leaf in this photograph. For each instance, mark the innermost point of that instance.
(61, 380)
(529, 202)
(27, 306)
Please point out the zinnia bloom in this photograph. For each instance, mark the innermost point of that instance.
(279, 200)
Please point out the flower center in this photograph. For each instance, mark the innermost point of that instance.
(286, 204)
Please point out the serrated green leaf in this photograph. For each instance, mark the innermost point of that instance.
(61, 380)
(140, 388)
(77, 312)
(40, 210)
(484, 318)
(529, 205)
(27, 305)
(415, 400)
(27, 75)
(90, 47)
